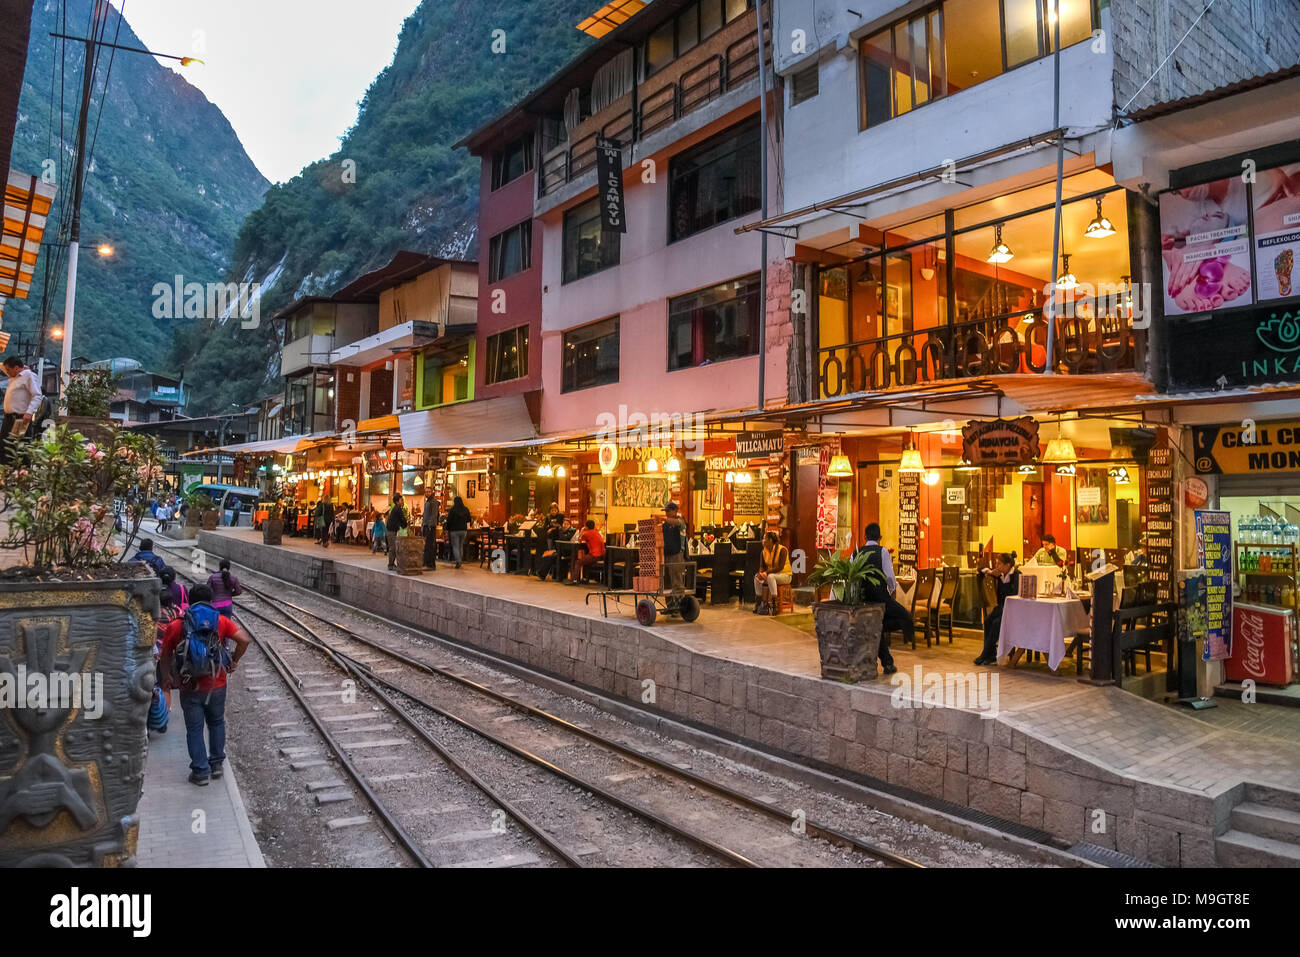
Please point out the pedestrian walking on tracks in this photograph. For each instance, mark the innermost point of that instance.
(225, 587)
(397, 522)
(196, 660)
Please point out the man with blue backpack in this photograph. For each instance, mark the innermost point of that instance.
(146, 554)
(195, 659)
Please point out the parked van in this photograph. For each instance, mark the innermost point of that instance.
(224, 496)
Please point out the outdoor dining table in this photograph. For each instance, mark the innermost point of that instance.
(565, 552)
(625, 560)
(1041, 624)
(357, 528)
(519, 554)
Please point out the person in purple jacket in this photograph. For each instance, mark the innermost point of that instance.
(225, 587)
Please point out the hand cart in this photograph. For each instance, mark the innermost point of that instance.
(650, 603)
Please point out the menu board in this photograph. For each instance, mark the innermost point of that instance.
(1160, 521)
(1205, 243)
(1277, 232)
(748, 498)
(909, 510)
(1214, 554)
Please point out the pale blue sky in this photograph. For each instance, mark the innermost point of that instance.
(288, 74)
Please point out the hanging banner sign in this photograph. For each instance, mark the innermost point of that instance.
(759, 445)
(609, 175)
(1227, 449)
(1214, 554)
(1000, 441)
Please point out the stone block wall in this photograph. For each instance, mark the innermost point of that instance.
(979, 763)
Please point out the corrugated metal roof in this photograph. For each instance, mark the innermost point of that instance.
(1218, 93)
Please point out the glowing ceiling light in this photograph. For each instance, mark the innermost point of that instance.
(1001, 252)
(1101, 226)
(840, 467)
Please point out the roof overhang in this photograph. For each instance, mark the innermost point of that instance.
(381, 346)
(27, 202)
(481, 423)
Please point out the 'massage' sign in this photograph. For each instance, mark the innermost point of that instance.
(609, 173)
(1000, 441)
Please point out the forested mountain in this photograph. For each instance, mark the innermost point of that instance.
(410, 190)
(169, 186)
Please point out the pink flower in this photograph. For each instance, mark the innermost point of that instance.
(95, 454)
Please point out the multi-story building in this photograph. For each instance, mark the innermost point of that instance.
(312, 328)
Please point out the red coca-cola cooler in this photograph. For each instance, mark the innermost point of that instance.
(1261, 644)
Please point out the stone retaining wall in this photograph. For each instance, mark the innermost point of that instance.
(984, 764)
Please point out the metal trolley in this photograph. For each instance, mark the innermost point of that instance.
(650, 603)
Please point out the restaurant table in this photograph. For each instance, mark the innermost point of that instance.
(564, 562)
(521, 554)
(357, 529)
(1041, 624)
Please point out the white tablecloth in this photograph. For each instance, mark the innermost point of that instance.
(1041, 624)
(357, 527)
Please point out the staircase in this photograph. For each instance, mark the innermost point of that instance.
(983, 490)
(1264, 830)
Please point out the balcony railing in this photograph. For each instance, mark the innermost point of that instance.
(976, 348)
(656, 110)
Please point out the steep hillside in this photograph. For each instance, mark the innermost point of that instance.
(168, 189)
(411, 190)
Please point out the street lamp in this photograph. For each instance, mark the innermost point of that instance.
(79, 181)
(105, 251)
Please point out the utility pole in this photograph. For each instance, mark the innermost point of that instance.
(74, 235)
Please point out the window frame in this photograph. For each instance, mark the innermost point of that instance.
(525, 144)
(492, 363)
(496, 247)
(748, 126)
(696, 9)
(570, 216)
(566, 386)
(757, 279)
(1045, 49)
(813, 71)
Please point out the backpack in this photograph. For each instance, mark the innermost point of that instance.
(201, 653)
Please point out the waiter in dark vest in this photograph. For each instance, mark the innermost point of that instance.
(896, 616)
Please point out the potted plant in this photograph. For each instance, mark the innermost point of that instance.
(88, 396)
(272, 525)
(848, 628)
(71, 762)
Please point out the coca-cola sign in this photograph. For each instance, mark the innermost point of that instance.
(1260, 645)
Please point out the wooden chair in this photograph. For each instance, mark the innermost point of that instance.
(753, 559)
(926, 588)
(785, 599)
(947, 592)
(720, 582)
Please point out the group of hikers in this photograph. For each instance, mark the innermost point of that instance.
(193, 656)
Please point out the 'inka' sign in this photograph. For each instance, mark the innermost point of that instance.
(1232, 450)
(1230, 350)
(1000, 442)
(757, 445)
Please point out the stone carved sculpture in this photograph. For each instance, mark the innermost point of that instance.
(71, 772)
(848, 638)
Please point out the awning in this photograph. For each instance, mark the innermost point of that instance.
(381, 424)
(26, 205)
(281, 446)
(482, 423)
(1035, 392)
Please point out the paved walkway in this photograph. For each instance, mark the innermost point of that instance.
(1205, 751)
(182, 825)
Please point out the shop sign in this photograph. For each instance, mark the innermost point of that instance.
(1267, 447)
(722, 463)
(1214, 554)
(1160, 520)
(608, 458)
(479, 463)
(758, 445)
(641, 453)
(609, 173)
(1231, 350)
(809, 455)
(1000, 441)
(909, 513)
(378, 462)
(955, 495)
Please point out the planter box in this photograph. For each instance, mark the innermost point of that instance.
(71, 776)
(209, 519)
(95, 430)
(848, 639)
(272, 531)
(410, 555)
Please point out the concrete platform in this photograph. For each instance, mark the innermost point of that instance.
(182, 825)
(1085, 764)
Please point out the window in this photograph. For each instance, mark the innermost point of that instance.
(696, 23)
(803, 85)
(714, 182)
(507, 355)
(911, 62)
(511, 162)
(445, 374)
(510, 252)
(714, 324)
(587, 247)
(591, 356)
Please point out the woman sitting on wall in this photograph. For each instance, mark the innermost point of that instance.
(1007, 582)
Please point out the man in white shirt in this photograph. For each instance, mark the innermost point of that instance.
(22, 399)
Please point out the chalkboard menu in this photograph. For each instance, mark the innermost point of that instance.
(749, 498)
(909, 511)
(1160, 521)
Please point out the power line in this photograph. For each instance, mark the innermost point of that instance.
(1124, 108)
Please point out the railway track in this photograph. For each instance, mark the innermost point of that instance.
(713, 818)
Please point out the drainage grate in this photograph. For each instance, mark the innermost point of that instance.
(1107, 856)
